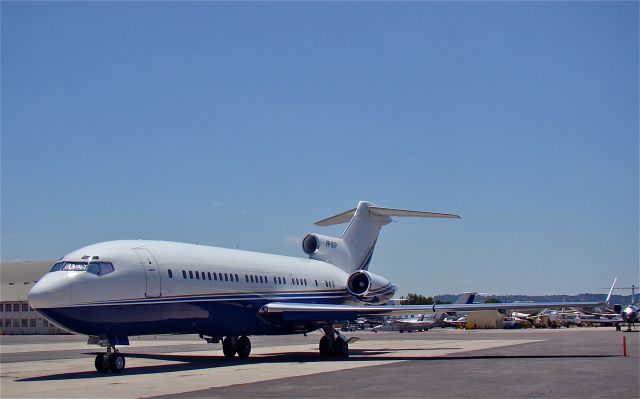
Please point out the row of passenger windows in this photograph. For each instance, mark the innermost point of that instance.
(249, 278)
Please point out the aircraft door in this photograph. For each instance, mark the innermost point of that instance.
(151, 272)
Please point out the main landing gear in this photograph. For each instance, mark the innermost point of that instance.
(333, 343)
(233, 344)
(111, 361)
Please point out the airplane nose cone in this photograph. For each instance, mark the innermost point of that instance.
(52, 290)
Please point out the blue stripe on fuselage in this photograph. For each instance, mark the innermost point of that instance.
(212, 314)
(215, 318)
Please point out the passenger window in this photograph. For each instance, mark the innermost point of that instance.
(246, 278)
(184, 274)
(316, 283)
(274, 280)
(197, 275)
(260, 278)
(215, 276)
(220, 276)
(190, 274)
(305, 281)
(237, 279)
(209, 275)
(226, 277)
(251, 277)
(170, 273)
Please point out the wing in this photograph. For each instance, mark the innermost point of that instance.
(601, 321)
(287, 311)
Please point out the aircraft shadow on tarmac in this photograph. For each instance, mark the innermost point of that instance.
(199, 362)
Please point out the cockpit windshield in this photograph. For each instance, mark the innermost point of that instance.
(99, 268)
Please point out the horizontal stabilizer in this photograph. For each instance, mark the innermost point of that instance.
(404, 212)
(344, 217)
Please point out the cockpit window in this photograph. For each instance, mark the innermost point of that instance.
(57, 267)
(99, 268)
(75, 266)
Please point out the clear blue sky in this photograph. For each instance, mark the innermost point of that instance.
(239, 125)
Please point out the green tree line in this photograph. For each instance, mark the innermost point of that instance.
(417, 299)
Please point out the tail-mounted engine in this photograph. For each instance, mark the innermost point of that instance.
(327, 249)
(368, 287)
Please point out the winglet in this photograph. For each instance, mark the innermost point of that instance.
(611, 290)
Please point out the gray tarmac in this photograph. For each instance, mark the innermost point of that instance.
(564, 363)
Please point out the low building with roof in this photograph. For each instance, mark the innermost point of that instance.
(16, 316)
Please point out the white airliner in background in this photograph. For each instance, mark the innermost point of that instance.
(113, 290)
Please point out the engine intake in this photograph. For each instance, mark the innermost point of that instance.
(359, 283)
(310, 244)
(327, 249)
(368, 287)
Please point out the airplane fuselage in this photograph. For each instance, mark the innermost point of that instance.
(158, 287)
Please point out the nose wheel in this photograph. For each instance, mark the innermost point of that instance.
(111, 361)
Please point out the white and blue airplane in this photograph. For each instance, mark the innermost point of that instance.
(117, 289)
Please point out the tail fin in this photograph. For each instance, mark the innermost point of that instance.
(466, 297)
(613, 286)
(361, 234)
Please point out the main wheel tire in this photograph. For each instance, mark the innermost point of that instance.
(243, 347)
(116, 363)
(341, 347)
(229, 346)
(325, 346)
(102, 363)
